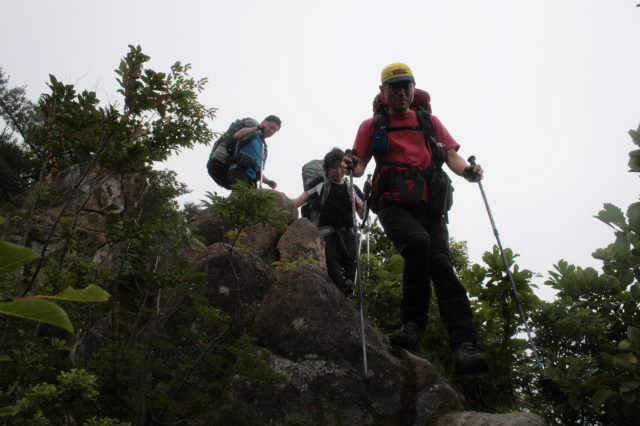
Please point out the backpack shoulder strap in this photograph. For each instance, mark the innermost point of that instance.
(325, 190)
(424, 118)
(245, 142)
(316, 204)
(381, 119)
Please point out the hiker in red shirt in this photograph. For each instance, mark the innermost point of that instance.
(411, 195)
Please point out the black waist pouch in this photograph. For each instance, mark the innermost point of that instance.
(440, 192)
(246, 161)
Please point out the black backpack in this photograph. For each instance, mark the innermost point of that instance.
(223, 150)
(312, 174)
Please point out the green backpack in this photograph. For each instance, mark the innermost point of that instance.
(312, 174)
(223, 149)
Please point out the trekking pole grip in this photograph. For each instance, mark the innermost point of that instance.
(349, 153)
(472, 160)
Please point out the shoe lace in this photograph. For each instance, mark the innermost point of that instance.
(410, 328)
(467, 348)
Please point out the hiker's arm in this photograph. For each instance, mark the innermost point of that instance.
(458, 165)
(271, 183)
(360, 209)
(243, 133)
(301, 199)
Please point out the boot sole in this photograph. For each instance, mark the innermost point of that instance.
(478, 366)
(400, 342)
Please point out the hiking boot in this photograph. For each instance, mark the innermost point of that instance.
(408, 336)
(467, 359)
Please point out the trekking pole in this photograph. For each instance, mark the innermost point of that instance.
(358, 272)
(543, 379)
(367, 200)
(261, 162)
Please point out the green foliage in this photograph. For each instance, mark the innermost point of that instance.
(380, 244)
(34, 307)
(66, 402)
(382, 290)
(14, 256)
(497, 321)
(591, 333)
(246, 365)
(104, 421)
(284, 265)
(499, 325)
(634, 156)
(305, 420)
(161, 116)
(247, 206)
(19, 168)
(190, 208)
(180, 121)
(130, 360)
(17, 171)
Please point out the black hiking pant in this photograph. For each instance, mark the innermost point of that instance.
(340, 251)
(238, 174)
(423, 240)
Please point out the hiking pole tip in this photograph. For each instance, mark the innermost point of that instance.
(366, 379)
(544, 381)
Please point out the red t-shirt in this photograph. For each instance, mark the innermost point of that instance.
(406, 146)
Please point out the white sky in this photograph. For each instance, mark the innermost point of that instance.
(543, 93)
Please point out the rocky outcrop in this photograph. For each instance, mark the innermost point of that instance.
(311, 332)
(80, 192)
(485, 419)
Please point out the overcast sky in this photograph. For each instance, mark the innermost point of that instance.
(543, 92)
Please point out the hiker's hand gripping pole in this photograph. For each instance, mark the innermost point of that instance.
(367, 200)
(543, 378)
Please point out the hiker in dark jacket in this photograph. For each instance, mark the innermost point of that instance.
(251, 153)
(336, 221)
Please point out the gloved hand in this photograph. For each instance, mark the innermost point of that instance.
(352, 154)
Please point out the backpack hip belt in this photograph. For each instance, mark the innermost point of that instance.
(398, 172)
(396, 176)
(325, 231)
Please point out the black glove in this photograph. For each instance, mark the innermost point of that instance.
(367, 188)
(470, 173)
(352, 154)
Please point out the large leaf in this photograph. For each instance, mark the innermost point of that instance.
(575, 399)
(91, 293)
(9, 411)
(38, 310)
(603, 396)
(633, 213)
(634, 335)
(612, 215)
(13, 256)
(635, 291)
(634, 161)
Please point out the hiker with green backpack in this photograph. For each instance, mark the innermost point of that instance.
(411, 195)
(250, 153)
(328, 207)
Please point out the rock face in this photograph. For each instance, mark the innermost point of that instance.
(312, 331)
(485, 419)
(314, 335)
